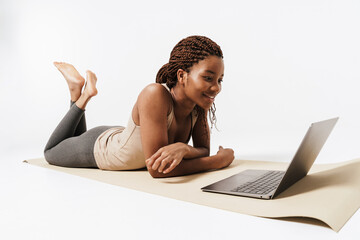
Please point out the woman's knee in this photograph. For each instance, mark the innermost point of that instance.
(50, 157)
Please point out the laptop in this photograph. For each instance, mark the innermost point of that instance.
(267, 184)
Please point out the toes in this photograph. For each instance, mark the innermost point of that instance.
(90, 74)
(58, 64)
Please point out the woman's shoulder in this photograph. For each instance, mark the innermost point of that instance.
(155, 94)
(155, 90)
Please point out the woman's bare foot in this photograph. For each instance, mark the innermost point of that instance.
(89, 90)
(73, 79)
(90, 86)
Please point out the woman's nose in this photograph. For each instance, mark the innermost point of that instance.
(216, 87)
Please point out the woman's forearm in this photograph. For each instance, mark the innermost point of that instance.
(189, 166)
(197, 152)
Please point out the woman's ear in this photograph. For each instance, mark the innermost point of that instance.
(181, 76)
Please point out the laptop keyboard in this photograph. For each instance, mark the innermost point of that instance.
(263, 185)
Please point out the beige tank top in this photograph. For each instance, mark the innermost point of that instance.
(120, 148)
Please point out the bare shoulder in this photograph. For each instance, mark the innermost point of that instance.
(154, 89)
(154, 95)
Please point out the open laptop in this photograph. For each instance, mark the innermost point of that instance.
(267, 184)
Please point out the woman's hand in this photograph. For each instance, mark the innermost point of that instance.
(225, 157)
(169, 156)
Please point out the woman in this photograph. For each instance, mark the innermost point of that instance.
(166, 114)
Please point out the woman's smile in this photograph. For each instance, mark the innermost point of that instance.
(209, 98)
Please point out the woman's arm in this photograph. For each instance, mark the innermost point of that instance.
(223, 158)
(195, 152)
(168, 157)
(153, 106)
(200, 137)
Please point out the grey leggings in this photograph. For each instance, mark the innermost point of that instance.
(70, 145)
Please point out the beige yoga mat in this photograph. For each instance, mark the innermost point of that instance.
(329, 193)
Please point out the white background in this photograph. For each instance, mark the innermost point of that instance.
(287, 64)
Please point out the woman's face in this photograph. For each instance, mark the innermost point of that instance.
(203, 82)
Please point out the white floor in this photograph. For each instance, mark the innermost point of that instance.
(39, 203)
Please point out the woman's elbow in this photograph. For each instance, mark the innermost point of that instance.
(154, 173)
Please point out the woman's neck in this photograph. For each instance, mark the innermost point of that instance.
(183, 106)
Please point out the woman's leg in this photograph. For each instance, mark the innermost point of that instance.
(64, 148)
(75, 83)
(67, 150)
(81, 127)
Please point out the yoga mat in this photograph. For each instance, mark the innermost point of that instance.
(329, 193)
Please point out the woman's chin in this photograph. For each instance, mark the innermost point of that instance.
(206, 107)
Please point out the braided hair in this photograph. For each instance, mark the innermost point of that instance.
(184, 55)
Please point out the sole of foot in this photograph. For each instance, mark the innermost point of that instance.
(90, 86)
(71, 75)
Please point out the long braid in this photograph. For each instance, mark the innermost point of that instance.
(184, 55)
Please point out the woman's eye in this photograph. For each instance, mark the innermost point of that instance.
(220, 81)
(209, 79)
